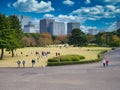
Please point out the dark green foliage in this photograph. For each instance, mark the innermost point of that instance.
(111, 39)
(66, 58)
(71, 63)
(75, 60)
(16, 34)
(77, 38)
(10, 33)
(56, 59)
(118, 32)
(4, 32)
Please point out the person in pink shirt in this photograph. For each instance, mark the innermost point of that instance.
(107, 62)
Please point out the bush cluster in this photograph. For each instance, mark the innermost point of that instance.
(66, 58)
(72, 59)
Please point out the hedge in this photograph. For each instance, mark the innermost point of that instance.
(51, 62)
(66, 58)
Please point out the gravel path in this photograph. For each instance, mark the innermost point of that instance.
(71, 77)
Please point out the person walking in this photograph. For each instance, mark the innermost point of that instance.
(19, 62)
(104, 62)
(23, 62)
(107, 62)
(33, 62)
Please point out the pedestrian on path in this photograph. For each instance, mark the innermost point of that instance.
(33, 62)
(19, 62)
(107, 62)
(23, 62)
(104, 62)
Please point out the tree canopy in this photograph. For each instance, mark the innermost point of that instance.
(10, 33)
(77, 38)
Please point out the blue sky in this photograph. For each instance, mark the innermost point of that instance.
(97, 14)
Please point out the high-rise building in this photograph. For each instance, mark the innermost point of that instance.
(45, 25)
(29, 28)
(71, 26)
(92, 31)
(118, 24)
(24, 20)
(57, 28)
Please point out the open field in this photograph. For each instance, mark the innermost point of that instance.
(8, 61)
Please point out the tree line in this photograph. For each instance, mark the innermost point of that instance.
(76, 38)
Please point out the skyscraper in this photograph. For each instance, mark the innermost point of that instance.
(71, 26)
(45, 25)
(57, 28)
(118, 24)
(29, 28)
(92, 31)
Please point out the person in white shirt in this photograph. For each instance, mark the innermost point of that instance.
(104, 62)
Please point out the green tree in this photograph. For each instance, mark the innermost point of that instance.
(115, 42)
(16, 34)
(77, 38)
(118, 32)
(4, 28)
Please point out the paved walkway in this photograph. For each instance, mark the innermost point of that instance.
(71, 77)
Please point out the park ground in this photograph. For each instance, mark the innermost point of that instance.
(71, 77)
(29, 53)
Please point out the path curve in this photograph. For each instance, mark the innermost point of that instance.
(71, 77)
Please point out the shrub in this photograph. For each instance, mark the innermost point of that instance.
(66, 58)
(56, 59)
(73, 59)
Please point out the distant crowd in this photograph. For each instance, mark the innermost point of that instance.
(33, 61)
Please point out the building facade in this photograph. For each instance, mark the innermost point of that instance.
(45, 25)
(92, 31)
(71, 26)
(29, 28)
(58, 28)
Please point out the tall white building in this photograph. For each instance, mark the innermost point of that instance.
(71, 26)
(92, 31)
(52, 27)
(29, 28)
(58, 28)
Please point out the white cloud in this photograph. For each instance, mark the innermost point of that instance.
(111, 1)
(97, 12)
(86, 28)
(88, 2)
(48, 16)
(111, 7)
(68, 2)
(33, 6)
(70, 18)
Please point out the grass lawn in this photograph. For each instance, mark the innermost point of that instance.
(8, 61)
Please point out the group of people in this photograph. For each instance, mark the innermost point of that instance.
(105, 62)
(23, 63)
(19, 62)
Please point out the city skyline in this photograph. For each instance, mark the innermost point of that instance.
(91, 14)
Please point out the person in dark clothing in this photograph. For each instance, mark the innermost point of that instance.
(19, 62)
(33, 62)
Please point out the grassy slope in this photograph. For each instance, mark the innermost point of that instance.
(8, 61)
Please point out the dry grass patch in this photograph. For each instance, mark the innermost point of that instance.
(8, 61)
